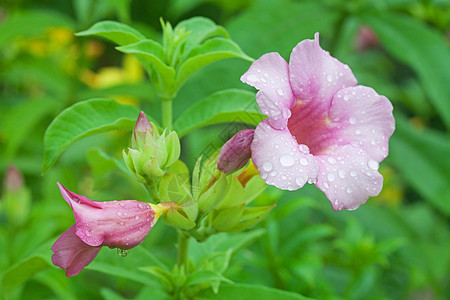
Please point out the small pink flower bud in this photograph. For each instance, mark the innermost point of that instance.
(236, 152)
(140, 129)
(366, 39)
(13, 179)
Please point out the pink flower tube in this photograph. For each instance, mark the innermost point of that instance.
(322, 127)
(116, 224)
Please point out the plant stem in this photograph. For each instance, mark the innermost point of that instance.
(167, 114)
(183, 245)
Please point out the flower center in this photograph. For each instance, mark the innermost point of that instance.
(311, 126)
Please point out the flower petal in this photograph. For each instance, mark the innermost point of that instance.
(279, 159)
(119, 224)
(71, 253)
(270, 75)
(315, 75)
(364, 119)
(348, 177)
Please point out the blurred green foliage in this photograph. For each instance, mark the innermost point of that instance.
(394, 247)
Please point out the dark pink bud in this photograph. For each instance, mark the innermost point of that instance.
(366, 39)
(141, 128)
(116, 224)
(236, 152)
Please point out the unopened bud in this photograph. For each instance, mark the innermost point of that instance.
(236, 152)
(140, 130)
(13, 179)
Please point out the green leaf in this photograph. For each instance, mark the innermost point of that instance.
(203, 276)
(84, 119)
(418, 155)
(119, 33)
(22, 271)
(232, 105)
(116, 271)
(242, 291)
(151, 55)
(210, 51)
(200, 29)
(421, 48)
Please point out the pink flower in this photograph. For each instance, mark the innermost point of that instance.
(236, 152)
(322, 127)
(116, 224)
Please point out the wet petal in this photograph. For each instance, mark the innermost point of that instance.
(280, 160)
(315, 75)
(364, 119)
(71, 253)
(348, 177)
(270, 75)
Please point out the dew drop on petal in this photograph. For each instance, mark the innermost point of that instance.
(303, 148)
(331, 177)
(267, 166)
(140, 205)
(136, 217)
(326, 185)
(287, 160)
(252, 78)
(280, 92)
(300, 180)
(122, 223)
(346, 98)
(329, 78)
(341, 173)
(353, 173)
(304, 161)
(349, 190)
(352, 120)
(373, 164)
(331, 160)
(119, 214)
(264, 176)
(358, 131)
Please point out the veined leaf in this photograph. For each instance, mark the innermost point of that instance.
(119, 33)
(232, 105)
(210, 51)
(203, 276)
(421, 48)
(84, 119)
(151, 55)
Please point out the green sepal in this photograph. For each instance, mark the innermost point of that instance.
(251, 216)
(173, 188)
(228, 218)
(234, 196)
(178, 218)
(213, 195)
(253, 188)
(173, 148)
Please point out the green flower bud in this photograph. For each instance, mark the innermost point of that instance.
(151, 153)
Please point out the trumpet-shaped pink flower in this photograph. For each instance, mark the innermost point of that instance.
(116, 224)
(322, 127)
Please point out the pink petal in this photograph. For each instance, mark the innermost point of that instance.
(279, 159)
(119, 224)
(348, 177)
(71, 253)
(71, 197)
(270, 75)
(315, 75)
(364, 119)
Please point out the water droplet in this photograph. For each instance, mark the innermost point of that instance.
(341, 173)
(331, 160)
(304, 161)
(303, 148)
(140, 205)
(122, 252)
(373, 142)
(373, 164)
(119, 214)
(300, 180)
(122, 223)
(346, 97)
(326, 185)
(287, 160)
(280, 92)
(331, 177)
(264, 176)
(267, 166)
(329, 78)
(358, 131)
(263, 79)
(252, 78)
(283, 177)
(353, 173)
(136, 217)
(349, 190)
(122, 204)
(352, 120)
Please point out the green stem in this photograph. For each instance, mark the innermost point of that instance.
(167, 114)
(183, 245)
